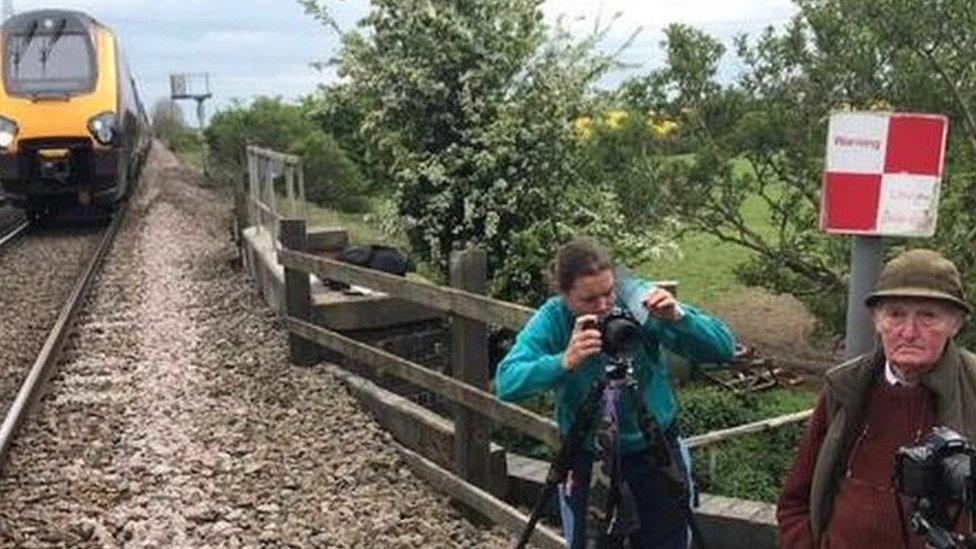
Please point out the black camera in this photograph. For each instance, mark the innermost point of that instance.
(620, 333)
(939, 468)
(936, 473)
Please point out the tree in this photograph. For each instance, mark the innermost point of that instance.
(167, 120)
(763, 136)
(468, 106)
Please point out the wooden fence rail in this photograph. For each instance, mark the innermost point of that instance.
(448, 300)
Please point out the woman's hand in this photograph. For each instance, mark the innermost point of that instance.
(661, 304)
(584, 343)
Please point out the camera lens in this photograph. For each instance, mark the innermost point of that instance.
(620, 334)
(955, 475)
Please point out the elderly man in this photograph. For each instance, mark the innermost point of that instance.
(839, 493)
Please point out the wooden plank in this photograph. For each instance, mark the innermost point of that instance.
(297, 294)
(755, 427)
(473, 306)
(516, 417)
(469, 364)
(327, 239)
(480, 501)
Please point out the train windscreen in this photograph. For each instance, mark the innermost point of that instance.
(45, 61)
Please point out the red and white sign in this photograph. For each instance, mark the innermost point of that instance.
(884, 172)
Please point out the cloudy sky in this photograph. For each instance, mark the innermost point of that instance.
(264, 47)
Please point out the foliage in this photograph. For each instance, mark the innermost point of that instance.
(750, 466)
(467, 108)
(169, 126)
(186, 141)
(904, 55)
(330, 177)
(627, 151)
(337, 112)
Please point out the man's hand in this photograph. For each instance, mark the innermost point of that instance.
(584, 343)
(661, 304)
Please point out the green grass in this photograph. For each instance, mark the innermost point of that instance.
(191, 158)
(362, 230)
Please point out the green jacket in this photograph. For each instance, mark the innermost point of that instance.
(848, 386)
(534, 364)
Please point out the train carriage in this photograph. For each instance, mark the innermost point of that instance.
(73, 130)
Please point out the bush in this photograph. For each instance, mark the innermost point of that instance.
(331, 179)
(750, 466)
(186, 141)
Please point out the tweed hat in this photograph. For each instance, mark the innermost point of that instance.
(921, 273)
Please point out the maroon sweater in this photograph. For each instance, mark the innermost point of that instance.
(865, 513)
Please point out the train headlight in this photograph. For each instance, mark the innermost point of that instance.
(8, 131)
(103, 127)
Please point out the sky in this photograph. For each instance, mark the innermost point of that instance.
(266, 47)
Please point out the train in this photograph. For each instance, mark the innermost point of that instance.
(74, 132)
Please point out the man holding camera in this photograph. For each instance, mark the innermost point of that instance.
(840, 491)
(560, 349)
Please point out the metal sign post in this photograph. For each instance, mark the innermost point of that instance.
(883, 177)
(866, 256)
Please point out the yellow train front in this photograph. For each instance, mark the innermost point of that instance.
(73, 130)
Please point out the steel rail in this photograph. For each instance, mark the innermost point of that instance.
(50, 354)
(13, 234)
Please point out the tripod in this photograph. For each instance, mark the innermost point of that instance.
(618, 379)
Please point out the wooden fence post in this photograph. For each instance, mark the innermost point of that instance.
(469, 363)
(297, 293)
(240, 211)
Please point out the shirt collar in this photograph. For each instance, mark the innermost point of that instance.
(891, 378)
(890, 375)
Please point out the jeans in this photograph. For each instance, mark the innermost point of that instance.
(663, 525)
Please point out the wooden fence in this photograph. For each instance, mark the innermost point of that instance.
(468, 388)
(258, 205)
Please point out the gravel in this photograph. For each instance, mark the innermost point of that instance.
(37, 274)
(176, 421)
(9, 217)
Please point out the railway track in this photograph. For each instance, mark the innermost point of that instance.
(11, 235)
(12, 225)
(34, 374)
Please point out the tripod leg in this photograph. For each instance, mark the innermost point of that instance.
(567, 456)
(660, 450)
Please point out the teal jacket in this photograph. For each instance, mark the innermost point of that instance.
(534, 364)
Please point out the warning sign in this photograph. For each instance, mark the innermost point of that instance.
(884, 172)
